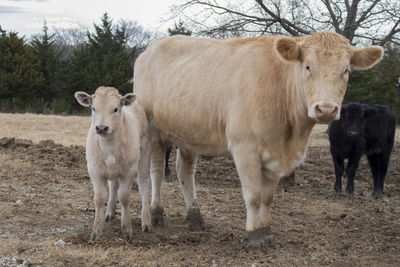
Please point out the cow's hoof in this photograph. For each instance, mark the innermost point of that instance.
(157, 216)
(95, 236)
(336, 194)
(127, 236)
(377, 194)
(196, 222)
(260, 239)
(109, 218)
(350, 196)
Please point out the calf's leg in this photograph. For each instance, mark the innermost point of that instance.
(124, 188)
(339, 169)
(185, 167)
(351, 169)
(100, 198)
(112, 199)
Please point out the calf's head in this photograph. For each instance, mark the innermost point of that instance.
(352, 119)
(106, 104)
(322, 64)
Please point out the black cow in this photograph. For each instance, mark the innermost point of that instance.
(362, 129)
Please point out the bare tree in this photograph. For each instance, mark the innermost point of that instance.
(374, 21)
(137, 36)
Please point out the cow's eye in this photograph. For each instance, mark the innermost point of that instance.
(94, 110)
(308, 68)
(116, 109)
(347, 71)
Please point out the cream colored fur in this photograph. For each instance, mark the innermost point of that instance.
(245, 97)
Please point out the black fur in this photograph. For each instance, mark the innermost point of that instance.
(362, 129)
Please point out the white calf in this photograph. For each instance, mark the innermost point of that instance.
(117, 150)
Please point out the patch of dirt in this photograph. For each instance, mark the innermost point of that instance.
(47, 212)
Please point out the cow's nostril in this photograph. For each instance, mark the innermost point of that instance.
(335, 111)
(318, 110)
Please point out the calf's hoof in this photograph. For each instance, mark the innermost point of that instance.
(350, 195)
(260, 239)
(157, 216)
(336, 194)
(377, 194)
(96, 236)
(196, 222)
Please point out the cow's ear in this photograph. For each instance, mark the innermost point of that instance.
(287, 48)
(366, 58)
(368, 112)
(128, 99)
(83, 98)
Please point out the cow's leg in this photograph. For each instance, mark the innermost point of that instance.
(351, 169)
(185, 168)
(100, 197)
(257, 194)
(124, 189)
(144, 184)
(373, 164)
(339, 169)
(379, 164)
(112, 199)
(157, 175)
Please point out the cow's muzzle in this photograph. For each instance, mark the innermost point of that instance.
(102, 129)
(324, 111)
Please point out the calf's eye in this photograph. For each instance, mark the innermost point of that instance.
(116, 109)
(94, 110)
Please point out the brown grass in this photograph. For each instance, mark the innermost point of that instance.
(66, 130)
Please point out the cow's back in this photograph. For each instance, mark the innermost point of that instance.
(193, 88)
(380, 125)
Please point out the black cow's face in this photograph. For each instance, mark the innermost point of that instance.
(351, 119)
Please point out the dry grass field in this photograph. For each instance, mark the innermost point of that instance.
(47, 210)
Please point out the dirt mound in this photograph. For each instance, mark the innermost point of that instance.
(47, 212)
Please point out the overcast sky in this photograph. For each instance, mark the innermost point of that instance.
(27, 16)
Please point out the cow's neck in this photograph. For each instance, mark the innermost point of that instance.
(295, 123)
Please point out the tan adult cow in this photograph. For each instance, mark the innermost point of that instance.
(257, 99)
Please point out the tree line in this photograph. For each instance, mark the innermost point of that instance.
(40, 75)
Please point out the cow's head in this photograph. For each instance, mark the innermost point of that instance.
(351, 119)
(323, 63)
(106, 104)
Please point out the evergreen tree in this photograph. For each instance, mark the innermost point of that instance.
(179, 29)
(20, 77)
(110, 62)
(45, 50)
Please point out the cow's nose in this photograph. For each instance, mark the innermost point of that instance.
(101, 129)
(353, 133)
(326, 112)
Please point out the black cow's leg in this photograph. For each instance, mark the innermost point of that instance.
(166, 170)
(381, 163)
(351, 169)
(339, 168)
(373, 163)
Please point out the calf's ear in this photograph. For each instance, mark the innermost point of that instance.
(83, 98)
(128, 99)
(287, 49)
(367, 57)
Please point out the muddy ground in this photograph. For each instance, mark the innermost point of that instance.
(47, 211)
